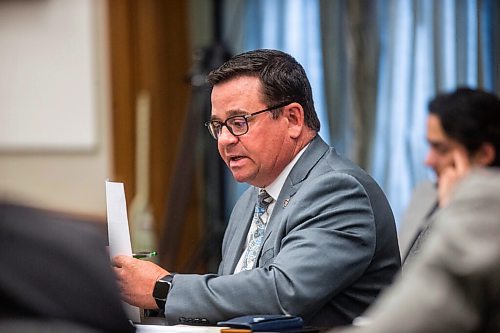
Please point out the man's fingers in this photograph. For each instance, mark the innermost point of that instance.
(118, 271)
(120, 260)
(453, 174)
(461, 161)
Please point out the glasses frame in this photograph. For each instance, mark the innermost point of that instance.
(245, 117)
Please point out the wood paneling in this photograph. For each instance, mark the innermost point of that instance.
(150, 51)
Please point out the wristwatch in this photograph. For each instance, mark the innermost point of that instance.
(161, 289)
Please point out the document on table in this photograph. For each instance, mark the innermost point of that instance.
(118, 232)
(176, 329)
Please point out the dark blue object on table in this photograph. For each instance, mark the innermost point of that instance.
(260, 323)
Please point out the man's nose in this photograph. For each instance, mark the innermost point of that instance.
(226, 137)
(430, 159)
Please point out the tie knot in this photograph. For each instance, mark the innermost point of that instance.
(264, 199)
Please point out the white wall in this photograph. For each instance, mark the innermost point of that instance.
(57, 112)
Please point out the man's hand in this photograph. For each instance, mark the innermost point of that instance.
(452, 175)
(136, 280)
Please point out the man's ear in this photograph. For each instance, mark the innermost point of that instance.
(485, 155)
(294, 112)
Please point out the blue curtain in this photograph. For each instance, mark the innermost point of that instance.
(373, 66)
(426, 47)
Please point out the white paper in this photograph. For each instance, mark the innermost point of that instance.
(175, 329)
(118, 232)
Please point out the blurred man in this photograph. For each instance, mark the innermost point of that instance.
(454, 284)
(467, 120)
(314, 236)
(55, 275)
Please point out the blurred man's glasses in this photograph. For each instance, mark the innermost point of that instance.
(237, 125)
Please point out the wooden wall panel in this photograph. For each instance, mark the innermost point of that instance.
(150, 51)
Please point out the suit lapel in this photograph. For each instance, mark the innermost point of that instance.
(299, 172)
(420, 235)
(238, 240)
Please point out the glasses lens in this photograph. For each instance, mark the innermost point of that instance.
(238, 125)
(214, 129)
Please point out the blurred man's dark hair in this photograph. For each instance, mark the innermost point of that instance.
(471, 117)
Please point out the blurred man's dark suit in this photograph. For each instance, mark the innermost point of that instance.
(55, 270)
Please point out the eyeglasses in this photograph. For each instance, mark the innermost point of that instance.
(237, 125)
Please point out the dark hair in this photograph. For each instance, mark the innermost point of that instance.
(471, 117)
(283, 79)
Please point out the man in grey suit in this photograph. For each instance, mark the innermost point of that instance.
(465, 119)
(454, 284)
(321, 242)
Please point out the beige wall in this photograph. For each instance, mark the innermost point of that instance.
(65, 179)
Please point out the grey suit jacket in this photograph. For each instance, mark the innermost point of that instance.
(454, 284)
(329, 248)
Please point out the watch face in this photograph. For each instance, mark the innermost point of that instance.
(162, 287)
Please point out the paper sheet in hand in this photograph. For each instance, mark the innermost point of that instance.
(118, 232)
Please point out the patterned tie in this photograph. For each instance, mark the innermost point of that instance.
(255, 241)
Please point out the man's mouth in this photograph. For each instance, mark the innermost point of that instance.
(235, 160)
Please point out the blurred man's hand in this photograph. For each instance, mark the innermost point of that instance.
(452, 174)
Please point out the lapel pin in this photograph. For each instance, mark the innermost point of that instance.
(285, 202)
